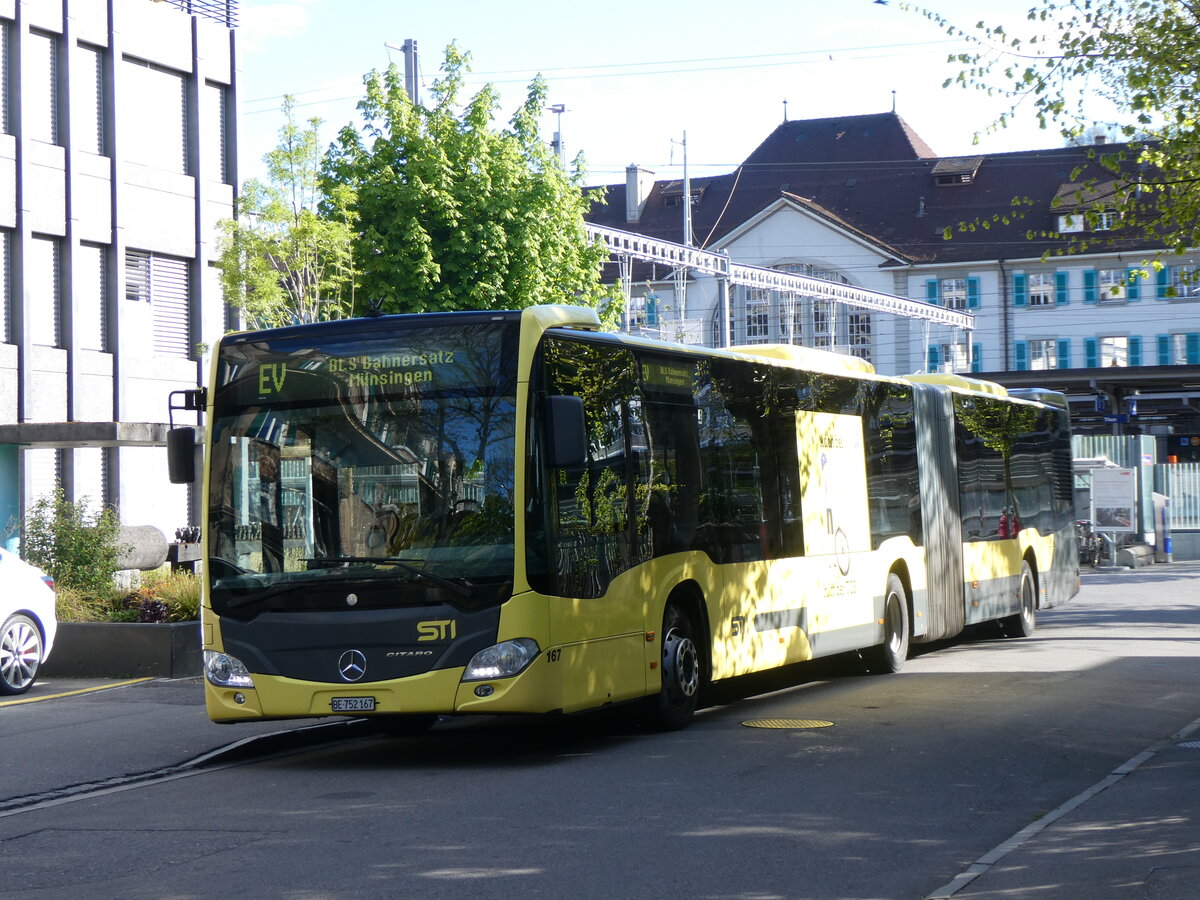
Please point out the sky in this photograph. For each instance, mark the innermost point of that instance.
(636, 78)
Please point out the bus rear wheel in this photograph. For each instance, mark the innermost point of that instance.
(889, 656)
(681, 668)
(1023, 623)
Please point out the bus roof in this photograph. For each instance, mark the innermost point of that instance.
(808, 358)
(961, 383)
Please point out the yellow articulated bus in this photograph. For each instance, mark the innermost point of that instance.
(516, 512)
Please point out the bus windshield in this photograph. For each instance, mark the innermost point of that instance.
(370, 467)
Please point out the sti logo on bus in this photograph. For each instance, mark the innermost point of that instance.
(270, 377)
(437, 630)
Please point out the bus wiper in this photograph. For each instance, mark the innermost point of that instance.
(463, 589)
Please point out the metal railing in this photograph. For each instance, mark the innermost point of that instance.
(223, 11)
(639, 246)
(1180, 482)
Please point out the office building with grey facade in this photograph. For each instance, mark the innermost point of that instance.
(117, 161)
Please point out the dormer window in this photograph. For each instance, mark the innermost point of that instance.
(672, 194)
(1100, 220)
(957, 170)
(1086, 206)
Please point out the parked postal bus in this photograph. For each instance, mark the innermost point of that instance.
(517, 512)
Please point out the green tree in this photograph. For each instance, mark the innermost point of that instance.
(286, 258)
(1136, 55)
(453, 214)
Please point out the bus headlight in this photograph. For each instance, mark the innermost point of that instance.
(224, 670)
(502, 660)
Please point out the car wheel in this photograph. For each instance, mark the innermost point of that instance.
(20, 654)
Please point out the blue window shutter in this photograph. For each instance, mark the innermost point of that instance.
(935, 358)
(1064, 353)
(1019, 291)
(1090, 355)
(652, 310)
(1022, 354)
(1135, 351)
(1192, 344)
(1162, 280)
(972, 293)
(977, 357)
(1061, 297)
(1164, 349)
(931, 291)
(1091, 291)
(1132, 284)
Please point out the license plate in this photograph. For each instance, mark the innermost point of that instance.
(353, 704)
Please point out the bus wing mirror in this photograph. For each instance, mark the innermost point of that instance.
(181, 455)
(566, 434)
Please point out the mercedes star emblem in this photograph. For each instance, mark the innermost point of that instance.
(352, 665)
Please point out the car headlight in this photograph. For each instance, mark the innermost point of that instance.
(502, 660)
(224, 670)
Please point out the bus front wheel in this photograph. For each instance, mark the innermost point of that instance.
(889, 656)
(680, 665)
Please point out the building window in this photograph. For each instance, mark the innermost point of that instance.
(1043, 354)
(1182, 349)
(42, 473)
(87, 99)
(823, 319)
(5, 285)
(1184, 283)
(91, 293)
(758, 316)
(1111, 284)
(155, 116)
(1071, 224)
(137, 276)
(216, 148)
(1114, 351)
(791, 320)
(1041, 289)
(954, 293)
(43, 285)
(39, 90)
(5, 75)
(162, 281)
(859, 333)
(949, 358)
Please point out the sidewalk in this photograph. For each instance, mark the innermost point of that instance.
(1134, 835)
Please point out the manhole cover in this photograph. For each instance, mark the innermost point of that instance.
(787, 723)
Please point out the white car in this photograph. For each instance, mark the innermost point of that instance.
(27, 622)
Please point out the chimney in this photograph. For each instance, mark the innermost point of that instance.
(638, 182)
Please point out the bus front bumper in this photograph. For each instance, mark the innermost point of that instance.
(440, 692)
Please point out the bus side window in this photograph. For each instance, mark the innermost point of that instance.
(586, 508)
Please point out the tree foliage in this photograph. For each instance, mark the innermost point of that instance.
(1138, 56)
(286, 257)
(454, 214)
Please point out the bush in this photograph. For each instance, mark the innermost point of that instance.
(162, 596)
(179, 592)
(77, 548)
(72, 606)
